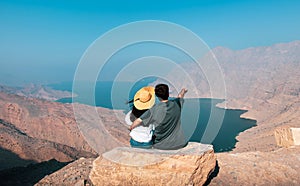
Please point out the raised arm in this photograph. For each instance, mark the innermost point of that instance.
(182, 93)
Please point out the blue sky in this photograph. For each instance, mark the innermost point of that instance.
(43, 40)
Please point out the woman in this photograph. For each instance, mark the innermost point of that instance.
(144, 99)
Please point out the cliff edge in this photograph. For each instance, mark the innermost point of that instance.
(131, 166)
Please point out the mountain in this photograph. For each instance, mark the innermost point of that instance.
(263, 80)
(266, 82)
(36, 91)
(30, 150)
(36, 130)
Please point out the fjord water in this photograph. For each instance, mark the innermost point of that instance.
(226, 131)
(231, 123)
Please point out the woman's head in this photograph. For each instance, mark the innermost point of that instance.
(135, 113)
(144, 98)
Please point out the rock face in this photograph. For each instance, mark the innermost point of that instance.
(27, 148)
(279, 167)
(296, 135)
(131, 166)
(38, 130)
(31, 174)
(42, 120)
(75, 173)
(287, 136)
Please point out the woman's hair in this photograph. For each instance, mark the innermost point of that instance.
(135, 113)
(162, 91)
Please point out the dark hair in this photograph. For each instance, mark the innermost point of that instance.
(135, 113)
(162, 91)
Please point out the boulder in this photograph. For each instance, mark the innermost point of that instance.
(287, 136)
(296, 135)
(132, 166)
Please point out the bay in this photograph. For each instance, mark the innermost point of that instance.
(199, 115)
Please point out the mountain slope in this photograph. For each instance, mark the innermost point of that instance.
(34, 149)
(263, 80)
(36, 91)
(34, 130)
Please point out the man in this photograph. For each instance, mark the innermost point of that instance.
(165, 116)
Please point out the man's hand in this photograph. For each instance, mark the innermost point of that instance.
(136, 123)
(182, 93)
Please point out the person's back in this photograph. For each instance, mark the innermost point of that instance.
(165, 116)
(141, 136)
(168, 132)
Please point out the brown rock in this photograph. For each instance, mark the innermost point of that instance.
(131, 166)
(296, 135)
(287, 136)
(280, 167)
(38, 128)
(75, 173)
(30, 150)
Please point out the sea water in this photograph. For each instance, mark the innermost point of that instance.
(202, 120)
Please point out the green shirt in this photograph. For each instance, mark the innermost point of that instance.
(166, 118)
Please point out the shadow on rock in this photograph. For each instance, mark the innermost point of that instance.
(213, 174)
(30, 174)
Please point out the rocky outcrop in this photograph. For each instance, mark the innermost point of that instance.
(55, 122)
(31, 174)
(131, 166)
(280, 167)
(42, 120)
(34, 130)
(75, 173)
(33, 149)
(296, 135)
(287, 136)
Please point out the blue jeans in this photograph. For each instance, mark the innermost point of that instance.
(143, 145)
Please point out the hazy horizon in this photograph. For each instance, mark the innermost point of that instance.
(43, 41)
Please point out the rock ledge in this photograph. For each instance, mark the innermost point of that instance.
(131, 166)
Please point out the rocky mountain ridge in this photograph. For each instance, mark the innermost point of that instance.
(35, 149)
(36, 91)
(263, 80)
(35, 130)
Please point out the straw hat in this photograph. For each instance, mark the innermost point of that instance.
(144, 98)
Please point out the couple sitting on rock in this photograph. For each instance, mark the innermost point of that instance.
(158, 125)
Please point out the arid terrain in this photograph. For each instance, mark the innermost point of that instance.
(36, 91)
(263, 80)
(36, 130)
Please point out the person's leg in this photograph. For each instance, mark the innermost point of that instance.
(144, 145)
